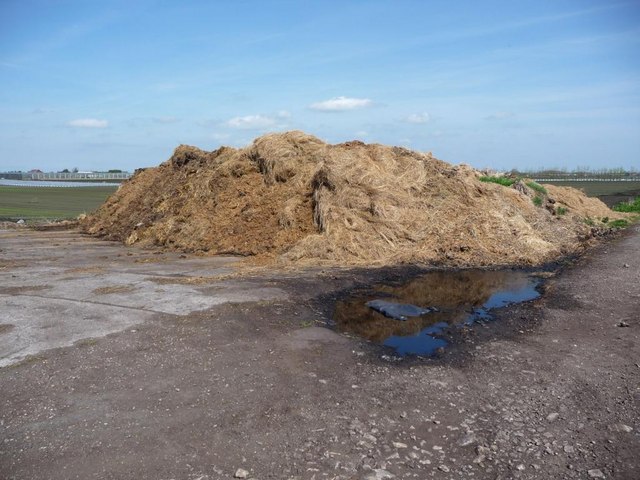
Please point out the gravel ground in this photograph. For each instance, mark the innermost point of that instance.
(258, 389)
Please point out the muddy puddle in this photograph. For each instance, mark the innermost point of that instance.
(411, 317)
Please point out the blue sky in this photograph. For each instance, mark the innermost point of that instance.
(119, 84)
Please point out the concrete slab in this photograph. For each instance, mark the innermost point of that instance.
(38, 324)
(60, 287)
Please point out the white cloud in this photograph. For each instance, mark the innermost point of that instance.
(283, 114)
(340, 104)
(417, 118)
(88, 123)
(251, 122)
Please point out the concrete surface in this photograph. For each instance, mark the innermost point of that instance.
(57, 288)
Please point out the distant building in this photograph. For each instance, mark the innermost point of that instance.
(36, 174)
(12, 175)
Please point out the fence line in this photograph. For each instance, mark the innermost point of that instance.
(586, 179)
(70, 176)
(67, 184)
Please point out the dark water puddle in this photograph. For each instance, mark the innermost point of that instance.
(411, 317)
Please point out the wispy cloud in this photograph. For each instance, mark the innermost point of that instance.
(341, 104)
(164, 87)
(166, 119)
(263, 38)
(417, 118)
(251, 122)
(220, 136)
(88, 123)
(500, 116)
(533, 21)
(50, 41)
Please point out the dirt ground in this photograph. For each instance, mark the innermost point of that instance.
(119, 363)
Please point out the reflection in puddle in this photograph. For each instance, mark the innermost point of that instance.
(434, 301)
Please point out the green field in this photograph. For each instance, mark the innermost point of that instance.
(611, 193)
(596, 189)
(38, 203)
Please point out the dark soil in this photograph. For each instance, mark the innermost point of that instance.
(550, 390)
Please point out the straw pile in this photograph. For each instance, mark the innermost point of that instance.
(294, 199)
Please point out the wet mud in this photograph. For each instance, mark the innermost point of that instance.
(410, 317)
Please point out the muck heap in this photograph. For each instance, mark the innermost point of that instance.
(293, 199)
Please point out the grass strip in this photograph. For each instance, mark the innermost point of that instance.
(31, 203)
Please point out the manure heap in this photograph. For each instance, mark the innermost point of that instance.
(293, 199)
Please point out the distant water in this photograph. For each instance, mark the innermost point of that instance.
(43, 183)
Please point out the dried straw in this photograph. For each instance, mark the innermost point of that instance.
(294, 199)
